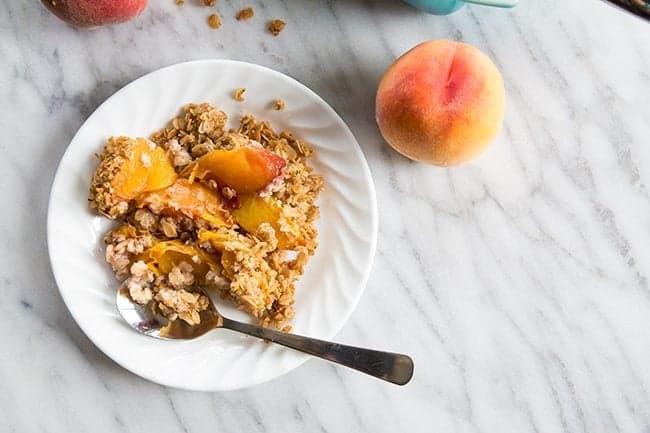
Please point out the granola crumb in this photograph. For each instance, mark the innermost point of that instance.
(181, 276)
(276, 26)
(216, 281)
(169, 227)
(180, 156)
(208, 2)
(245, 14)
(146, 220)
(228, 193)
(239, 94)
(214, 21)
(279, 104)
(181, 304)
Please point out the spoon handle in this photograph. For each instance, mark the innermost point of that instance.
(391, 367)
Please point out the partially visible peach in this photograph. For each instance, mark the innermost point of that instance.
(91, 13)
(441, 103)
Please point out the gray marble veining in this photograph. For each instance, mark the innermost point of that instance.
(519, 282)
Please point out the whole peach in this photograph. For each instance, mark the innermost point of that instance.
(441, 103)
(91, 13)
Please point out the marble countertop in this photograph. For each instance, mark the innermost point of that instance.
(518, 282)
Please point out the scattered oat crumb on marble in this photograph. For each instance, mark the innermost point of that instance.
(214, 21)
(276, 26)
(245, 14)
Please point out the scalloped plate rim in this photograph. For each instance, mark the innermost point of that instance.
(372, 213)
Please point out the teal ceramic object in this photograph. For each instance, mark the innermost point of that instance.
(444, 7)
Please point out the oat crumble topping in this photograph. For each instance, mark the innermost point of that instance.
(166, 256)
(276, 26)
(239, 94)
(228, 192)
(214, 21)
(245, 14)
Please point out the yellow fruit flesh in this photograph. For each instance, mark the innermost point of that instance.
(147, 169)
(164, 255)
(245, 169)
(255, 210)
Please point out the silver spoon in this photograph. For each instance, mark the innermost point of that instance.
(391, 367)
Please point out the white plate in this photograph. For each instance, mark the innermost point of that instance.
(334, 278)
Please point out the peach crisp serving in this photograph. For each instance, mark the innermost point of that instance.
(203, 208)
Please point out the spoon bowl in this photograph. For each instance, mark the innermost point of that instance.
(143, 319)
(391, 367)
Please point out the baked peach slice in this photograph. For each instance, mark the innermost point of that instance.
(246, 169)
(255, 210)
(128, 168)
(164, 255)
(219, 239)
(185, 198)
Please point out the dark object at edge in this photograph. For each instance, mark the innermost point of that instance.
(640, 8)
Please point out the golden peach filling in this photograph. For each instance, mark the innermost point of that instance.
(128, 168)
(190, 199)
(244, 169)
